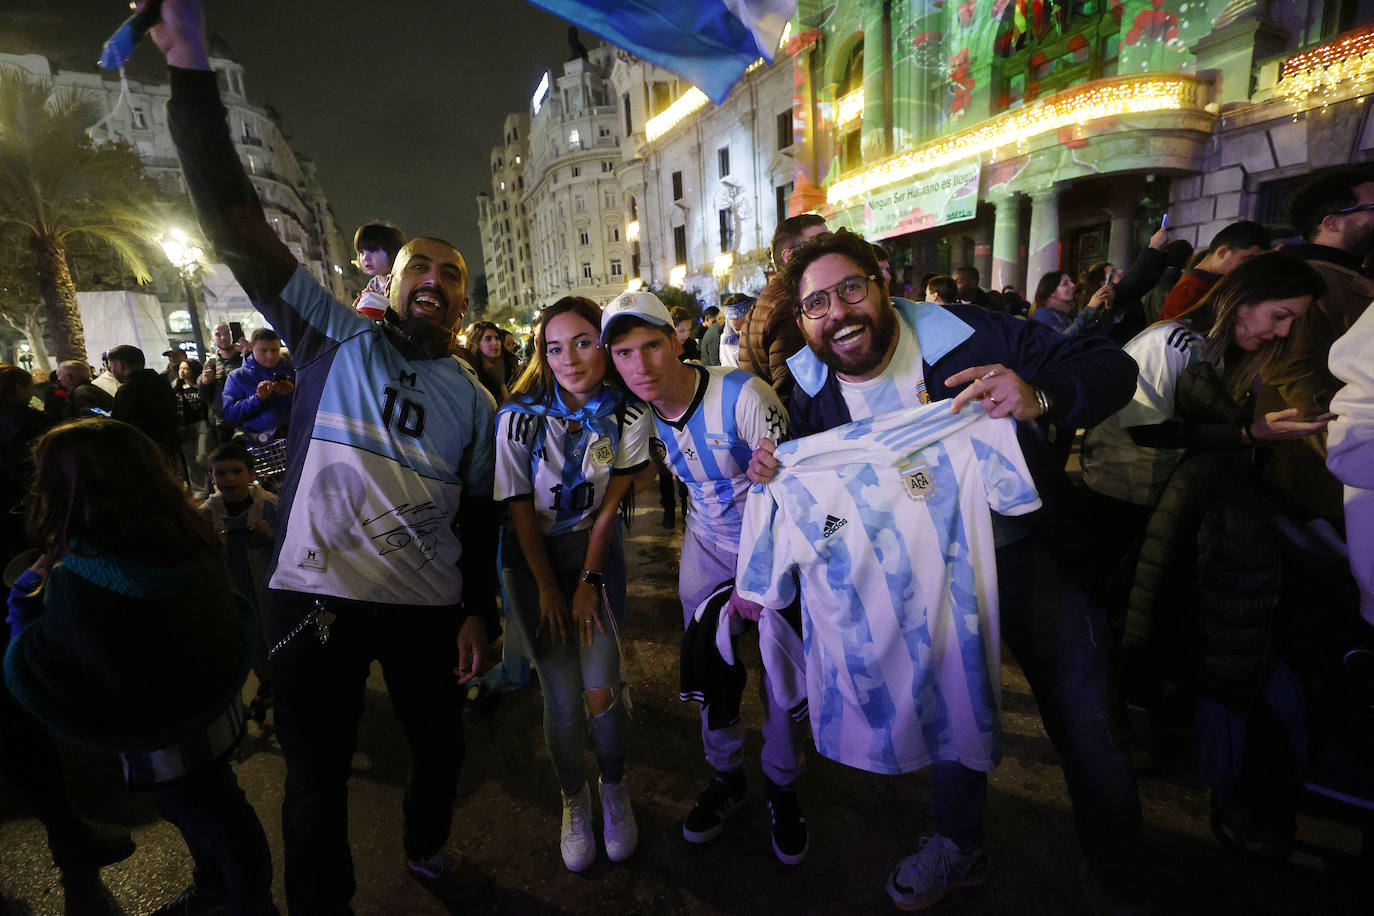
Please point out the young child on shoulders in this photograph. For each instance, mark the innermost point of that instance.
(376, 245)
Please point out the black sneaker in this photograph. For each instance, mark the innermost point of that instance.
(456, 880)
(723, 796)
(790, 837)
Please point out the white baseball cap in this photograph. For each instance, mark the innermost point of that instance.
(639, 304)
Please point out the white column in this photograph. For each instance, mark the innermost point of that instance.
(1119, 245)
(1006, 230)
(1043, 255)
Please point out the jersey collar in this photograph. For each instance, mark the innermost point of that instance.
(937, 331)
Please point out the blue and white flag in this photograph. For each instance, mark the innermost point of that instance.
(710, 43)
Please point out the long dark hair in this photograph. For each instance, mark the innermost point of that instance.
(1261, 279)
(1045, 288)
(105, 483)
(537, 383)
(510, 365)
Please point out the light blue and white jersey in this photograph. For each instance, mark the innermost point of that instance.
(887, 522)
(382, 449)
(563, 465)
(901, 384)
(709, 446)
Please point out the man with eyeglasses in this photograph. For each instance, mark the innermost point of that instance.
(869, 355)
(1335, 214)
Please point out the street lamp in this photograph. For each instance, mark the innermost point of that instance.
(185, 257)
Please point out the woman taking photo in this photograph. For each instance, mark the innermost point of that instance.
(110, 650)
(567, 448)
(1056, 304)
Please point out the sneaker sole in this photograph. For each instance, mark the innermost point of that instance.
(797, 859)
(706, 836)
(973, 879)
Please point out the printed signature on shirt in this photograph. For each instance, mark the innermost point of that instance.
(407, 525)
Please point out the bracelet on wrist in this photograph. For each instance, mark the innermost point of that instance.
(1043, 400)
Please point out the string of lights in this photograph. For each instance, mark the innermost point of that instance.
(1128, 95)
(686, 104)
(1322, 71)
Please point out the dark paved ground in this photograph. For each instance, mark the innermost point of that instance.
(861, 824)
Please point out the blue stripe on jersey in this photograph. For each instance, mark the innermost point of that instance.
(571, 478)
(963, 594)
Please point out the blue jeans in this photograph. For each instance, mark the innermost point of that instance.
(568, 670)
(1059, 638)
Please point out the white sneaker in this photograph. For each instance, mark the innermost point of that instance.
(622, 833)
(576, 840)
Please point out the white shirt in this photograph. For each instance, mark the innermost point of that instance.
(887, 522)
(901, 384)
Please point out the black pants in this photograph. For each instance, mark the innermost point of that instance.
(224, 835)
(319, 700)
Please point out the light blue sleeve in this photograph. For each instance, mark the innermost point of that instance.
(1005, 474)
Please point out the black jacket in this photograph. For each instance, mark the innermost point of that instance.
(145, 400)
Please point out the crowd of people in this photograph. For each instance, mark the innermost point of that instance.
(874, 488)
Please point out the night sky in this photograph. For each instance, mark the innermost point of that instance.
(399, 103)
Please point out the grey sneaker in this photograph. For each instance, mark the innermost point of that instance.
(922, 879)
(576, 840)
(618, 820)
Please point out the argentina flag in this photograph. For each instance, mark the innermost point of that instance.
(710, 43)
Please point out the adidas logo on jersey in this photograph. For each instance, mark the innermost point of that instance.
(833, 524)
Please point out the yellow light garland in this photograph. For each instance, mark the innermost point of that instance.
(1129, 95)
(1322, 70)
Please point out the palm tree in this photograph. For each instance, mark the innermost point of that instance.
(57, 186)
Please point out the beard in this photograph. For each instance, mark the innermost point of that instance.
(418, 339)
(882, 329)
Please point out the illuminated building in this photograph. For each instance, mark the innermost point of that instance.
(704, 186)
(502, 222)
(572, 200)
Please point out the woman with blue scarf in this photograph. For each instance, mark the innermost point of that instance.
(567, 448)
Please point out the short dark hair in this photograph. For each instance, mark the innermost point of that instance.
(843, 242)
(13, 379)
(680, 315)
(232, 451)
(127, 354)
(1239, 236)
(880, 253)
(264, 334)
(1177, 252)
(1322, 196)
(789, 233)
(945, 288)
(710, 311)
(383, 236)
(967, 269)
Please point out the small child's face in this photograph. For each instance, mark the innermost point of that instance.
(374, 262)
(232, 478)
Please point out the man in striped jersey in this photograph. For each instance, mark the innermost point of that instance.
(708, 420)
(869, 355)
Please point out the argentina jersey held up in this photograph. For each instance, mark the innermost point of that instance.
(887, 522)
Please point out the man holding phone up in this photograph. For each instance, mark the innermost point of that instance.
(257, 396)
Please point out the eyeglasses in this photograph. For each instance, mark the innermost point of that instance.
(1358, 208)
(851, 290)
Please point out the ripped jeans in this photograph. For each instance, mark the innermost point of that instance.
(1060, 640)
(568, 671)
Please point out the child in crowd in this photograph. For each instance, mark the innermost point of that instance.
(376, 245)
(245, 515)
(110, 649)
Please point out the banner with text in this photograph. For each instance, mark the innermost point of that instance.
(947, 196)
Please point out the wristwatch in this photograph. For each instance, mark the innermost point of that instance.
(593, 578)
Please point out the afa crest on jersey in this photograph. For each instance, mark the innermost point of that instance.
(918, 482)
(603, 452)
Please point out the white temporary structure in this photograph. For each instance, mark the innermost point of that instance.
(115, 317)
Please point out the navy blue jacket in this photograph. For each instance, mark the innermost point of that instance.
(1087, 378)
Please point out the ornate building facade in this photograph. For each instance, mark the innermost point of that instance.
(506, 248)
